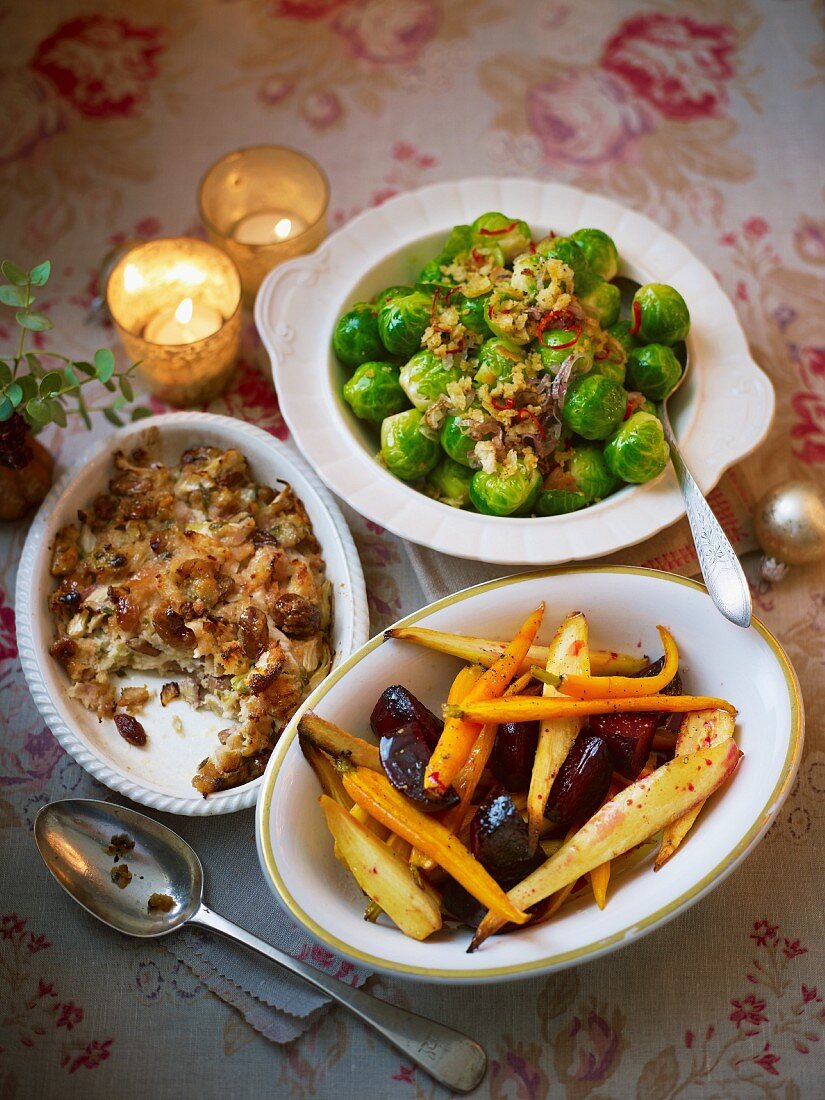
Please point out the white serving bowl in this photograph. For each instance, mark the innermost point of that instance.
(721, 413)
(623, 606)
(160, 775)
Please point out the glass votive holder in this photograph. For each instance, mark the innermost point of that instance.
(264, 205)
(176, 304)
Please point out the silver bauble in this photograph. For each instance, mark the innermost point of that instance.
(790, 526)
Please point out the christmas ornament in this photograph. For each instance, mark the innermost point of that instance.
(790, 527)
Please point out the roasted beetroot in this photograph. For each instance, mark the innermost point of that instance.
(498, 840)
(461, 904)
(582, 781)
(398, 706)
(404, 757)
(629, 738)
(514, 751)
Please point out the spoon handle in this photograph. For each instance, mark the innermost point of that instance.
(450, 1057)
(721, 568)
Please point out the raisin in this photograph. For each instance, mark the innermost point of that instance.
(63, 649)
(253, 632)
(172, 628)
(130, 729)
(297, 616)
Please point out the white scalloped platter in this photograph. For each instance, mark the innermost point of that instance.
(299, 303)
(160, 775)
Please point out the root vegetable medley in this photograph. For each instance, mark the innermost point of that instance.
(504, 380)
(555, 768)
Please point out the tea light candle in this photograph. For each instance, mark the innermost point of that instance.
(263, 205)
(268, 226)
(176, 304)
(183, 325)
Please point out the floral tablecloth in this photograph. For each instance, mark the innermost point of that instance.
(707, 115)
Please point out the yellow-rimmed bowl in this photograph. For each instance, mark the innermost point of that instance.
(623, 606)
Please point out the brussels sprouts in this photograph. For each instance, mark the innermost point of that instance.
(511, 236)
(374, 391)
(450, 482)
(566, 250)
(391, 294)
(472, 313)
(431, 276)
(556, 344)
(406, 451)
(425, 377)
(610, 368)
(557, 502)
(496, 359)
(637, 451)
(401, 323)
(455, 440)
(527, 270)
(594, 406)
(505, 309)
(589, 472)
(661, 314)
(599, 251)
(356, 338)
(505, 494)
(461, 239)
(654, 370)
(600, 299)
(620, 332)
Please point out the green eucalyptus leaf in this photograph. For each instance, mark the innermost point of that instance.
(34, 361)
(38, 411)
(112, 417)
(13, 296)
(51, 383)
(126, 388)
(70, 375)
(119, 402)
(110, 386)
(14, 393)
(5, 373)
(58, 413)
(6, 409)
(36, 322)
(84, 414)
(39, 275)
(85, 367)
(28, 384)
(140, 413)
(104, 364)
(14, 273)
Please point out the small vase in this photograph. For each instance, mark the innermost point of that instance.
(23, 489)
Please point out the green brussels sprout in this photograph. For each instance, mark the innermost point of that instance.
(620, 331)
(558, 502)
(355, 338)
(406, 451)
(431, 276)
(599, 251)
(527, 270)
(391, 294)
(556, 344)
(654, 370)
(637, 451)
(594, 406)
(589, 472)
(566, 250)
(461, 239)
(455, 440)
(449, 482)
(504, 308)
(610, 368)
(600, 299)
(401, 323)
(472, 313)
(511, 235)
(505, 494)
(496, 359)
(374, 391)
(661, 314)
(425, 377)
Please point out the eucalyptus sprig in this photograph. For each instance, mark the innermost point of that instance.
(41, 393)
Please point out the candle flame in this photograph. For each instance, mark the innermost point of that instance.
(283, 228)
(183, 313)
(132, 278)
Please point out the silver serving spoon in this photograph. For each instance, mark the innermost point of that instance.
(73, 836)
(721, 569)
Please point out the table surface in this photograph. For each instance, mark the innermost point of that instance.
(707, 116)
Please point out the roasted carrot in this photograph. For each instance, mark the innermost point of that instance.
(458, 736)
(599, 879)
(486, 651)
(379, 798)
(623, 687)
(526, 708)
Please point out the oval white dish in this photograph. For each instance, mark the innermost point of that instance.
(299, 303)
(160, 775)
(623, 605)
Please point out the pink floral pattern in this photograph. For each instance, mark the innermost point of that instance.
(8, 637)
